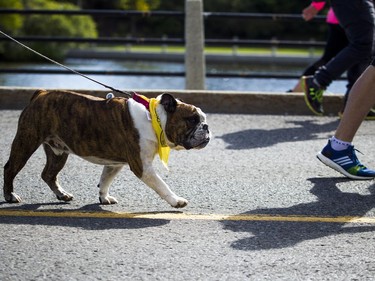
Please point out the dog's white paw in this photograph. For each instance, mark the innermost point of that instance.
(176, 201)
(13, 198)
(108, 200)
(65, 196)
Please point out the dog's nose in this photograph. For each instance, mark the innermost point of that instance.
(205, 127)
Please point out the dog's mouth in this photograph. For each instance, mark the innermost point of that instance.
(196, 138)
(203, 143)
(188, 144)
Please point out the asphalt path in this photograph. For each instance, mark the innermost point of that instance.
(261, 207)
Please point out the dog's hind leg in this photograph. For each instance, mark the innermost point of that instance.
(108, 174)
(23, 147)
(53, 166)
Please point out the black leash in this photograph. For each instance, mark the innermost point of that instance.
(64, 66)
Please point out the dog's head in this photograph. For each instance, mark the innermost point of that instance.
(184, 125)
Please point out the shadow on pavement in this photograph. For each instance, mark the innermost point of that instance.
(255, 138)
(331, 202)
(88, 223)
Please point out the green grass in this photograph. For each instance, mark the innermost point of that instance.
(217, 50)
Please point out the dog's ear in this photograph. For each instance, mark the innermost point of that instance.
(169, 103)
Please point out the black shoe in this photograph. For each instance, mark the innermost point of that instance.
(313, 95)
(369, 116)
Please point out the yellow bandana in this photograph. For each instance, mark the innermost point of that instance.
(163, 148)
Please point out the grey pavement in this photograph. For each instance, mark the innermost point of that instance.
(257, 165)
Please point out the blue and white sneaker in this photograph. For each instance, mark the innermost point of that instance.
(345, 162)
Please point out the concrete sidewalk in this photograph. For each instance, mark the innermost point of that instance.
(210, 101)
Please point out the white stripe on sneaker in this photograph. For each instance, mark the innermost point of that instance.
(343, 160)
(338, 168)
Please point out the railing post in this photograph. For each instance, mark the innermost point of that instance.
(195, 65)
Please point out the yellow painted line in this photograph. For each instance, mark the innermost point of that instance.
(184, 216)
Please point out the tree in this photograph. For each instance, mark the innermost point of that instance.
(138, 5)
(260, 28)
(12, 22)
(48, 25)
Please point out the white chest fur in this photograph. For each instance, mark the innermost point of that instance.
(142, 120)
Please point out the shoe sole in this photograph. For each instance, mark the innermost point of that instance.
(338, 168)
(307, 99)
(368, 118)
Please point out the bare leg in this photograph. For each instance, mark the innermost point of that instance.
(53, 166)
(361, 100)
(298, 87)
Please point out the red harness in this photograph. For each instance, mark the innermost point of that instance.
(142, 100)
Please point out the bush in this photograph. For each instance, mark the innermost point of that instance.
(12, 21)
(48, 25)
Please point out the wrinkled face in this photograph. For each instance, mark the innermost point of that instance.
(186, 127)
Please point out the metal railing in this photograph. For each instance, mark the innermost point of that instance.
(129, 13)
(171, 41)
(273, 43)
(146, 73)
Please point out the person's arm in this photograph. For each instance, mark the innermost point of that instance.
(312, 10)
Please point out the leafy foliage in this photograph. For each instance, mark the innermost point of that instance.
(149, 25)
(261, 28)
(46, 25)
(13, 21)
(139, 5)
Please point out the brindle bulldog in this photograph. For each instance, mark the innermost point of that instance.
(109, 132)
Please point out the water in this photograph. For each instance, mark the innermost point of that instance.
(62, 81)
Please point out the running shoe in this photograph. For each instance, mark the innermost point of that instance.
(313, 95)
(369, 116)
(345, 162)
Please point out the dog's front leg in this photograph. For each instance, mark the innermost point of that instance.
(154, 181)
(108, 174)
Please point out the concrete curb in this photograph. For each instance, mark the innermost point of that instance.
(210, 101)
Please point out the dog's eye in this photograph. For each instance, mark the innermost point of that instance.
(192, 121)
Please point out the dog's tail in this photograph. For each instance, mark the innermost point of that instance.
(36, 94)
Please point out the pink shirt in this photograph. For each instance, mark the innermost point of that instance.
(331, 17)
